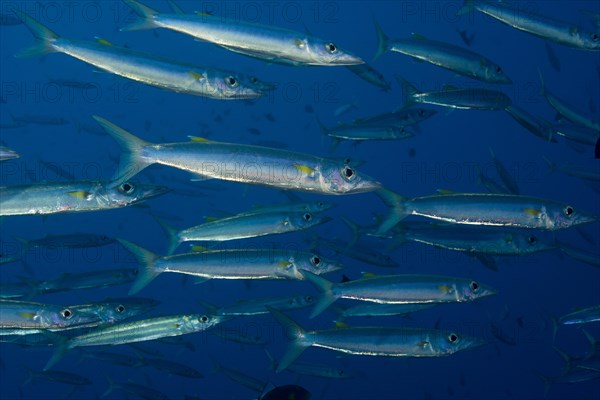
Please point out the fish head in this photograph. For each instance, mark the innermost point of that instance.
(126, 193)
(345, 179)
(452, 342)
(324, 52)
(421, 114)
(587, 40)
(70, 316)
(531, 242)
(201, 322)
(317, 206)
(253, 81)
(314, 263)
(472, 290)
(121, 309)
(229, 85)
(307, 219)
(565, 216)
(494, 74)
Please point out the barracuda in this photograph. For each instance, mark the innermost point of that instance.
(145, 68)
(241, 163)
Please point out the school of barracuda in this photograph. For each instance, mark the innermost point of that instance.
(499, 222)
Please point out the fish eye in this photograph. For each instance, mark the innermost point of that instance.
(320, 204)
(568, 211)
(231, 81)
(331, 48)
(531, 240)
(308, 299)
(126, 188)
(595, 37)
(498, 69)
(307, 217)
(421, 112)
(120, 308)
(474, 286)
(348, 173)
(315, 260)
(203, 318)
(253, 79)
(453, 338)
(66, 313)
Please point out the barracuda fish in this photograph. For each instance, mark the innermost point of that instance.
(457, 98)
(398, 289)
(84, 280)
(401, 117)
(581, 316)
(111, 311)
(365, 132)
(259, 306)
(577, 133)
(145, 68)
(69, 240)
(361, 252)
(241, 163)
(30, 317)
(228, 264)
(265, 42)
(7, 154)
(505, 176)
(547, 28)
(172, 367)
(536, 125)
(371, 75)
(380, 310)
(294, 206)
(576, 171)
(486, 209)
(454, 58)
(243, 227)
(75, 196)
(473, 239)
(373, 341)
(137, 331)
(310, 369)
(567, 110)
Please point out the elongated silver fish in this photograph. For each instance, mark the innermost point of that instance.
(259, 306)
(458, 98)
(536, 125)
(137, 331)
(228, 264)
(401, 117)
(484, 209)
(577, 171)
(373, 341)
(398, 289)
(111, 311)
(75, 196)
(581, 316)
(243, 227)
(454, 58)
(310, 369)
(371, 75)
(241, 163)
(266, 42)
(366, 132)
(566, 110)
(577, 133)
(547, 28)
(30, 316)
(145, 68)
(7, 154)
(69, 240)
(473, 239)
(378, 309)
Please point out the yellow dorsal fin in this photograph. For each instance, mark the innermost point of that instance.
(445, 288)
(283, 264)
(197, 75)
(198, 249)
(534, 212)
(103, 41)
(341, 325)
(369, 275)
(26, 314)
(198, 139)
(305, 169)
(79, 194)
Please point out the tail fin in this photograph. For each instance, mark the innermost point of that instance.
(44, 37)
(110, 388)
(146, 13)
(61, 346)
(409, 90)
(382, 40)
(566, 358)
(147, 271)
(325, 287)
(355, 231)
(171, 233)
(296, 333)
(398, 212)
(131, 161)
(468, 7)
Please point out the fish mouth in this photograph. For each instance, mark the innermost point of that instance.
(154, 191)
(366, 185)
(348, 59)
(324, 220)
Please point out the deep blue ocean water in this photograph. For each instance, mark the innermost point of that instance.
(442, 156)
